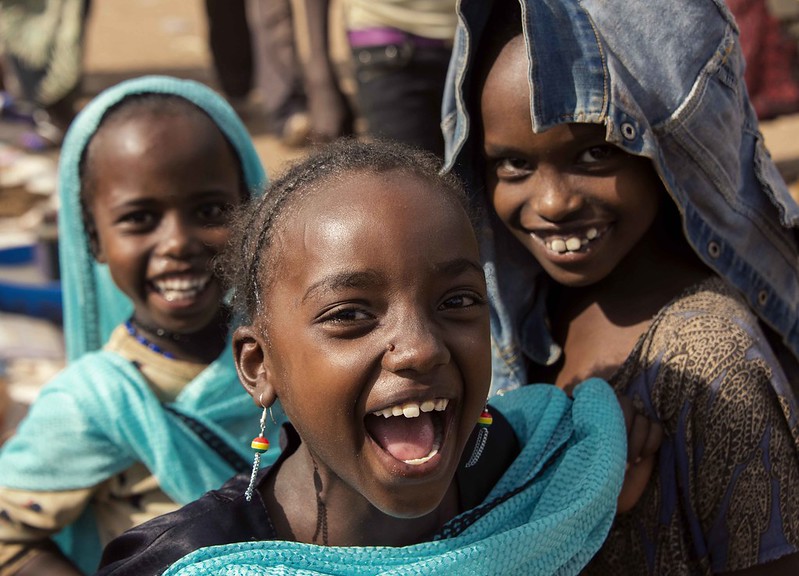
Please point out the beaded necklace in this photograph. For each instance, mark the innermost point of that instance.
(144, 341)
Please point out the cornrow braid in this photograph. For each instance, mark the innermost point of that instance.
(250, 264)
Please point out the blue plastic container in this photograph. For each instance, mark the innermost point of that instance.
(39, 300)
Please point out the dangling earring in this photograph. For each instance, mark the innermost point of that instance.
(260, 444)
(484, 421)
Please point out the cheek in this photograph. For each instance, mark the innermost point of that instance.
(474, 351)
(503, 202)
(215, 238)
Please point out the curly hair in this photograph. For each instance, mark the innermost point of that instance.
(249, 263)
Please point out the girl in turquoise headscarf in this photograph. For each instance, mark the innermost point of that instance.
(148, 415)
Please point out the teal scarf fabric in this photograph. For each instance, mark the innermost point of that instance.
(99, 416)
(548, 514)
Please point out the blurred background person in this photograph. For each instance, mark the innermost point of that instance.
(400, 51)
(42, 46)
(771, 56)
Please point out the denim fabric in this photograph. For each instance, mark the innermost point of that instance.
(666, 80)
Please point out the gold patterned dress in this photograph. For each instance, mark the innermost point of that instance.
(724, 494)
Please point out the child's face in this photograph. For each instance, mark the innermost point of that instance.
(577, 203)
(163, 191)
(379, 306)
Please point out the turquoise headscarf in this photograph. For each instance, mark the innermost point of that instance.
(548, 514)
(99, 416)
(93, 305)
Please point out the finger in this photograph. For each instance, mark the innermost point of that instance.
(637, 437)
(653, 440)
(635, 482)
(628, 411)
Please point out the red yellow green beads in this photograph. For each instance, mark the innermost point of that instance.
(485, 419)
(260, 444)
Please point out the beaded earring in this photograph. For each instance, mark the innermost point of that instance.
(483, 422)
(260, 444)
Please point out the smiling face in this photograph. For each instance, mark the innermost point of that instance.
(162, 187)
(579, 204)
(377, 338)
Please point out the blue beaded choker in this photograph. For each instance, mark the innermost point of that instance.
(145, 342)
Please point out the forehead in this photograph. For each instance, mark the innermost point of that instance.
(161, 157)
(151, 131)
(375, 218)
(390, 197)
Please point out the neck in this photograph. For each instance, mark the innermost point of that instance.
(201, 346)
(307, 505)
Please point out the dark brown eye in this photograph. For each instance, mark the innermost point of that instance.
(511, 168)
(598, 154)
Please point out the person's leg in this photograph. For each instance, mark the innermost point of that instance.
(400, 88)
(231, 47)
(278, 77)
(329, 109)
(46, 82)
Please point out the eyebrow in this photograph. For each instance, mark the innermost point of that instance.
(458, 266)
(345, 279)
(370, 278)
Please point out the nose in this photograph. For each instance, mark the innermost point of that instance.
(178, 239)
(415, 345)
(552, 196)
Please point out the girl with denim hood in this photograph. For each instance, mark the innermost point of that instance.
(148, 413)
(635, 228)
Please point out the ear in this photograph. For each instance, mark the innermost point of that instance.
(97, 249)
(250, 355)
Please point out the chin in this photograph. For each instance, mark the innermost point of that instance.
(409, 504)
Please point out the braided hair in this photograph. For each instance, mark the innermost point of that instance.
(250, 263)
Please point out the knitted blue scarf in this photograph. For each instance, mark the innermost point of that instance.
(548, 514)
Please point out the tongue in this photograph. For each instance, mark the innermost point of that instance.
(403, 438)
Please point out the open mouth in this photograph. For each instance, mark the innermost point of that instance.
(411, 432)
(572, 243)
(180, 288)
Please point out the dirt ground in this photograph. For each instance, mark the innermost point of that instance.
(128, 38)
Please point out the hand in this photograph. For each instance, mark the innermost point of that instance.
(644, 437)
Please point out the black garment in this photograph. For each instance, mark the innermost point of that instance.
(400, 88)
(231, 46)
(224, 516)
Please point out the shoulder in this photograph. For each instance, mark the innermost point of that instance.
(707, 333)
(706, 355)
(706, 305)
(219, 517)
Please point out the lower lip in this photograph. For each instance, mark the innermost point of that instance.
(408, 471)
(398, 468)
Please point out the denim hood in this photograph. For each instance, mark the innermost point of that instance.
(625, 65)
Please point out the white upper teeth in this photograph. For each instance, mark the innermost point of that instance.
(572, 243)
(182, 283)
(177, 288)
(413, 409)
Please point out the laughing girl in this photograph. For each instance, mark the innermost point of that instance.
(366, 316)
(149, 174)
